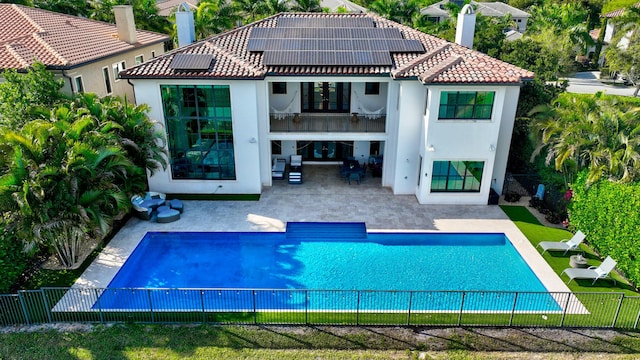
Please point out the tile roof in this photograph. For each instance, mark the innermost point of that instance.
(616, 13)
(442, 63)
(59, 40)
(496, 9)
(168, 7)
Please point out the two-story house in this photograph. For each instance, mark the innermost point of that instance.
(331, 87)
(439, 12)
(87, 54)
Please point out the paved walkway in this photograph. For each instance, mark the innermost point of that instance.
(323, 196)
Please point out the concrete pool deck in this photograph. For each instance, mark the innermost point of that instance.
(323, 197)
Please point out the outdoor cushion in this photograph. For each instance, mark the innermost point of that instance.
(167, 215)
(176, 204)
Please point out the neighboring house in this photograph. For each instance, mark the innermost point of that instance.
(342, 5)
(330, 87)
(609, 32)
(168, 7)
(610, 29)
(438, 12)
(87, 54)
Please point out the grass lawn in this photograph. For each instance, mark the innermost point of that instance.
(252, 342)
(536, 232)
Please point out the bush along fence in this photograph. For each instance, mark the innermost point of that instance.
(321, 307)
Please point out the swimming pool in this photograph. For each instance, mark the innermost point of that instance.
(316, 259)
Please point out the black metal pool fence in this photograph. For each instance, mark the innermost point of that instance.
(321, 307)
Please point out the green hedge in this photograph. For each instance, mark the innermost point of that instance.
(608, 213)
(13, 261)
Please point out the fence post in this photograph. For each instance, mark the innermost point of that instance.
(46, 304)
(204, 316)
(615, 318)
(153, 319)
(99, 306)
(513, 308)
(24, 308)
(306, 307)
(566, 306)
(358, 309)
(409, 308)
(464, 293)
(255, 314)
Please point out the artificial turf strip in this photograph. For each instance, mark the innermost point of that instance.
(536, 232)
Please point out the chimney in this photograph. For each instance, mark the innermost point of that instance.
(185, 25)
(466, 26)
(125, 23)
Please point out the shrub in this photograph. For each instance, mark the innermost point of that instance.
(13, 261)
(608, 213)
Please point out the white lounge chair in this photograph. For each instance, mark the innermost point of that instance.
(593, 272)
(563, 245)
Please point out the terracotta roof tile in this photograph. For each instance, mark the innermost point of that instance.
(616, 13)
(58, 40)
(442, 62)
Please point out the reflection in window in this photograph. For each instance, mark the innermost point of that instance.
(456, 176)
(200, 131)
(466, 104)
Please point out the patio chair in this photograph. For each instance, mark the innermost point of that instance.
(563, 245)
(592, 272)
(296, 162)
(139, 209)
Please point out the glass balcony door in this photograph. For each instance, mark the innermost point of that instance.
(326, 97)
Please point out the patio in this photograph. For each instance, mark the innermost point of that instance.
(323, 196)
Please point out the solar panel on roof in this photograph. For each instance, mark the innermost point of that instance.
(191, 62)
(328, 22)
(329, 41)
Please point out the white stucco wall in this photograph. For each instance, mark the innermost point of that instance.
(405, 164)
(465, 140)
(244, 110)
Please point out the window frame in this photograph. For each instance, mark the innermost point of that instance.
(372, 88)
(476, 110)
(141, 57)
(279, 88)
(117, 67)
(467, 182)
(107, 80)
(78, 84)
(199, 131)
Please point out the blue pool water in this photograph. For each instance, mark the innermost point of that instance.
(440, 262)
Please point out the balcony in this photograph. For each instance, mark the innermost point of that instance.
(315, 122)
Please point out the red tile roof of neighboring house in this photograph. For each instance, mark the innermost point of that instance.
(442, 62)
(59, 40)
(616, 13)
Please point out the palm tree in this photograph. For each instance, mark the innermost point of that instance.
(402, 11)
(213, 17)
(250, 10)
(306, 6)
(595, 132)
(277, 6)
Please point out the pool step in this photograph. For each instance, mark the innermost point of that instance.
(337, 230)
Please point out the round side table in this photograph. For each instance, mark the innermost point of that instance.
(578, 261)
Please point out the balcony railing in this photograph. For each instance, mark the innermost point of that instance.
(307, 122)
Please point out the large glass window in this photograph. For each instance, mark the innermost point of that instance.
(456, 176)
(466, 104)
(200, 131)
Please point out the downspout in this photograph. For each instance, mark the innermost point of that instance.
(134, 93)
(70, 80)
